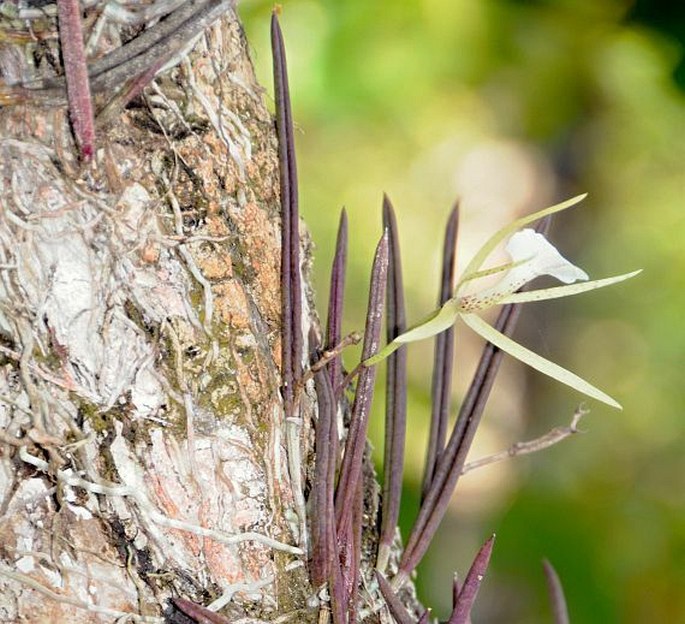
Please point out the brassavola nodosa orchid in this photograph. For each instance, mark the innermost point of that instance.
(532, 255)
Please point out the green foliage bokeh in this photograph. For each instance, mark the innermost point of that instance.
(395, 96)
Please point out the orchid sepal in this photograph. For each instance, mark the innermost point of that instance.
(545, 294)
(439, 320)
(536, 361)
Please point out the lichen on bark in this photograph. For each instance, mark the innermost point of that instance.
(140, 410)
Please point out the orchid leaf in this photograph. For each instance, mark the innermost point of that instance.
(472, 582)
(433, 324)
(395, 393)
(556, 594)
(564, 291)
(536, 361)
(351, 468)
(397, 609)
(500, 235)
(443, 358)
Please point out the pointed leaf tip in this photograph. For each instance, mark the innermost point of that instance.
(472, 582)
(556, 594)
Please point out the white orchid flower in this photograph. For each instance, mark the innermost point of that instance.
(532, 255)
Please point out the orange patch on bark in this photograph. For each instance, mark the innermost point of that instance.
(231, 305)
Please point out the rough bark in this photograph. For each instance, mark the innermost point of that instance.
(141, 438)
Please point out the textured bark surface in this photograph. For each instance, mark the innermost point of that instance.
(142, 444)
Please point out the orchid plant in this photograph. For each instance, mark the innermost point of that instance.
(342, 528)
(532, 255)
(336, 503)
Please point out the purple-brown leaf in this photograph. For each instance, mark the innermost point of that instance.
(291, 347)
(353, 571)
(425, 618)
(322, 512)
(443, 357)
(351, 469)
(472, 583)
(395, 392)
(200, 614)
(336, 588)
(397, 609)
(452, 460)
(76, 74)
(335, 300)
(556, 594)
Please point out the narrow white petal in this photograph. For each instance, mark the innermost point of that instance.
(536, 361)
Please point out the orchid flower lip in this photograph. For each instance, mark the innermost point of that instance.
(532, 255)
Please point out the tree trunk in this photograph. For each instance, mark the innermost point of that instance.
(142, 442)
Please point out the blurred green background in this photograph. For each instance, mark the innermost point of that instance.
(511, 106)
